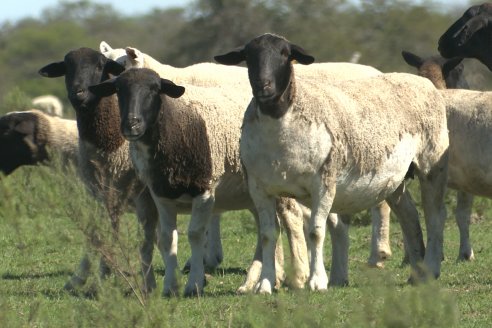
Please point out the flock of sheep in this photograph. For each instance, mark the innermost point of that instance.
(314, 140)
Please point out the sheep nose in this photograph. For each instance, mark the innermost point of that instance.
(134, 122)
(81, 94)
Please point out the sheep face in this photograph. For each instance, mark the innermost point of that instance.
(18, 142)
(82, 67)
(469, 36)
(139, 97)
(269, 60)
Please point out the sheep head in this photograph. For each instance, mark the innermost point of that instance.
(470, 36)
(139, 93)
(82, 67)
(269, 59)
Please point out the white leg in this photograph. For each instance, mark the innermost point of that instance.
(338, 228)
(201, 215)
(265, 206)
(254, 270)
(291, 215)
(380, 244)
(463, 214)
(322, 201)
(168, 244)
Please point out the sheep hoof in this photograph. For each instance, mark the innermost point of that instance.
(74, 283)
(318, 283)
(466, 256)
(193, 291)
(244, 289)
(263, 287)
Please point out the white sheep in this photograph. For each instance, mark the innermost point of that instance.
(28, 137)
(341, 146)
(49, 104)
(448, 74)
(209, 74)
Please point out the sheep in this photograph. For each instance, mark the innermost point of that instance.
(443, 73)
(469, 36)
(341, 146)
(201, 74)
(49, 104)
(195, 167)
(103, 156)
(27, 137)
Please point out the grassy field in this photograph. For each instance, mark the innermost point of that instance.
(45, 218)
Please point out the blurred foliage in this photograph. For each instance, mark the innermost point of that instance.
(331, 30)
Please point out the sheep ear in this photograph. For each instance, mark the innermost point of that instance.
(170, 89)
(412, 59)
(231, 58)
(450, 64)
(25, 127)
(104, 47)
(113, 67)
(300, 55)
(53, 70)
(104, 89)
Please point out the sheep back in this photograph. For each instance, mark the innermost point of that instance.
(366, 118)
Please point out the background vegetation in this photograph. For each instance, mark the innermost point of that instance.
(47, 220)
(331, 30)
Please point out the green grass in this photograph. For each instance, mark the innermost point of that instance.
(45, 218)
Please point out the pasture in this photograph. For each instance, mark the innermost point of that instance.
(47, 221)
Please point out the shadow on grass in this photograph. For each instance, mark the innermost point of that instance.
(11, 276)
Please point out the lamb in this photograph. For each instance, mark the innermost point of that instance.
(341, 146)
(103, 156)
(469, 36)
(49, 104)
(444, 74)
(27, 137)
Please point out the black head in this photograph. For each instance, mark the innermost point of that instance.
(20, 143)
(269, 59)
(444, 73)
(139, 93)
(82, 67)
(470, 36)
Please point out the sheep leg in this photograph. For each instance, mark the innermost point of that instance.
(201, 214)
(402, 205)
(322, 200)
(214, 254)
(463, 214)
(79, 279)
(168, 244)
(254, 270)
(291, 215)
(380, 245)
(433, 186)
(148, 218)
(338, 226)
(213, 246)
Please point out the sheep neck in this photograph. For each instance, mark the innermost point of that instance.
(281, 105)
(98, 124)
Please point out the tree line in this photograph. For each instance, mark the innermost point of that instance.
(331, 30)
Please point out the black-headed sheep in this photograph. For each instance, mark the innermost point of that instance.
(341, 146)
